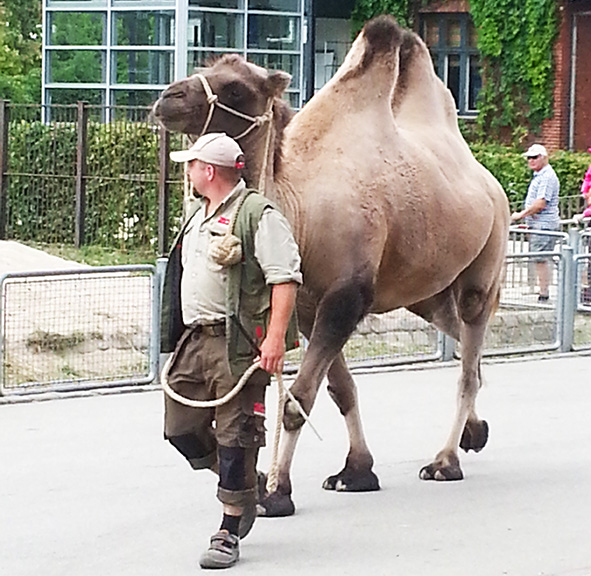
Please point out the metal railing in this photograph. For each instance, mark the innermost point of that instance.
(99, 327)
(69, 177)
(85, 174)
(77, 329)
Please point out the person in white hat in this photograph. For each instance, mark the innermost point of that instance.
(541, 212)
(228, 298)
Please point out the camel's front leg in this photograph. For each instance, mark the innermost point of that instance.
(467, 431)
(338, 313)
(279, 503)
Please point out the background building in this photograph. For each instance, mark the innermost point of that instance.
(124, 52)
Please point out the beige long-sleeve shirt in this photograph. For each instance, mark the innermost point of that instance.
(203, 283)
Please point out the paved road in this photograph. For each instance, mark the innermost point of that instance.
(89, 488)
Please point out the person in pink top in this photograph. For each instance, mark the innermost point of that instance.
(586, 191)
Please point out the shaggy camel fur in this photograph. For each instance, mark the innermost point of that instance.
(390, 209)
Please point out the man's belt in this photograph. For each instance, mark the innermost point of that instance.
(218, 329)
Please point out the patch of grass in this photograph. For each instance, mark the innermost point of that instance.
(97, 255)
(42, 341)
(69, 373)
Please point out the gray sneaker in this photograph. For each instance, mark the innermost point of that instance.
(223, 551)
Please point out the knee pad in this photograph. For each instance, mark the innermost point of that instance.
(195, 451)
(232, 468)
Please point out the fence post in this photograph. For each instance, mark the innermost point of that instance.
(448, 347)
(160, 274)
(574, 239)
(568, 300)
(82, 129)
(163, 189)
(4, 122)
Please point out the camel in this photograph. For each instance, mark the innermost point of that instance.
(389, 207)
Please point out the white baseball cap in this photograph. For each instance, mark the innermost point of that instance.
(213, 148)
(536, 150)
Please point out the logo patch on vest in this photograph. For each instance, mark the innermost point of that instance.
(259, 409)
(223, 220)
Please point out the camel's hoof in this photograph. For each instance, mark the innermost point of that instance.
(475, 436)
(276, 505)
(292, 419)
(348, 480)
(441, 473)
(445, 468)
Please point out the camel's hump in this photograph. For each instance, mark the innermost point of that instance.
(382, 35)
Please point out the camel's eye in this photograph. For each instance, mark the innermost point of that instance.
(176, 93)
(234, 92)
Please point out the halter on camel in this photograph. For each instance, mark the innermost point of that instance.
(256, 121)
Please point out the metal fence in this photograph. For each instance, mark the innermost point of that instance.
(69, 177)
(76, 329)
(97, 327)
(94, 175)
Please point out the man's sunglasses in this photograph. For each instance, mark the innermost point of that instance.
(533, 157)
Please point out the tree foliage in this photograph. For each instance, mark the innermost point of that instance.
(20, 50)
(515, 40)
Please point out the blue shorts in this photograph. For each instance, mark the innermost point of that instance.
(541, 243)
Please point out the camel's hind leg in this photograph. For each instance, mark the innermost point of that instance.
(474, 308)
(441, 310)
(357, 475)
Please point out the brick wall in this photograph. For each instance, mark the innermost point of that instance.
(554, 132)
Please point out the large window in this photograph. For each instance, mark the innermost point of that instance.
(266, 32)
(220, 30)
(76, 66)
(127, 51)
(451, 39)
(76, 28)
(152, 28)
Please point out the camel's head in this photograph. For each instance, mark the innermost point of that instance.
(240, 85)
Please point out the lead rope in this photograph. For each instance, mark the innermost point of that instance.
(263, 175)
(273, 475)
(283, 393)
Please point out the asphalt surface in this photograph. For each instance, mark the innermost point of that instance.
(89, 488)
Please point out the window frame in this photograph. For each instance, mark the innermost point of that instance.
(110, 11)
(441, 52)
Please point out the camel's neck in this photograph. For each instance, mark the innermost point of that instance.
(260, 150)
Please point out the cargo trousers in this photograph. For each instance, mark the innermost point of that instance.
(226, 438)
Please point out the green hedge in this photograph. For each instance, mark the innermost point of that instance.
(121, 184)
(122, 198)
(510, 169)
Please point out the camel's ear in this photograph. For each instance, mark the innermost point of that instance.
(277, 82)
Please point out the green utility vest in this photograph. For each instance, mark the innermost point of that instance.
(248, 297)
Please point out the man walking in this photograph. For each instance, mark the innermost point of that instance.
(228, 297)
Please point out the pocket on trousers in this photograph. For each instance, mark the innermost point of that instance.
(252, 431)
(252, 417)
